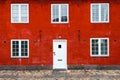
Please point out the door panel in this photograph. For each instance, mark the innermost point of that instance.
(59, 54)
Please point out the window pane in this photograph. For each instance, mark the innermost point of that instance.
(24, 48)
(24, 13)
(15, 48)
(15, 13)
(15, 19)
(95, 50)
(63, 13)
(55, 13)
(104, 47)
(24, 19)
(95, 12)
(24, 7)
(15, 7)
(26, 54)
(104, 12)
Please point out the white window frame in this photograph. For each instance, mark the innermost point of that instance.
(99, 4)
(60, 13)
(99, 48)
(19, 48)
(20, 13)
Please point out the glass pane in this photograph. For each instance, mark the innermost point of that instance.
(13, 54)
(26, 54)
(95, 12)
(64, 13)
(55, 13)
(95, 50)
(24, 19)
(24, 7)
(59, 46)
(15, 7)
(104, 47)
(24, 48)
(104, 12)
(26, 42)
(15, 19)
(22, 54)
(16, 42)
(15, 13)
(17, 54)
(22, 42)
(24, 13)
(15, 48)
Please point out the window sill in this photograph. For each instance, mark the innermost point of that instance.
(19, 57)
(100, 22)
(59, 22)
(99, 56)
(20, 22)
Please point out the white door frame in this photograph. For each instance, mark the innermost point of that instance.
(59, 54)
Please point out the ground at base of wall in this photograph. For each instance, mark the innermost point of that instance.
(59, 75)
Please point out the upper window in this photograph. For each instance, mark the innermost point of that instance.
(59, 13)
(19, 13)
(100, 12)
(19, 48)
(99, 47)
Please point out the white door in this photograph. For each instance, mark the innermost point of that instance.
(60, 54)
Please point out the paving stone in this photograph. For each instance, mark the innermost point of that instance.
(60, 75)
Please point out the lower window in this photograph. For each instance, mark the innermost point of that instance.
(99, 47)
(19, 48)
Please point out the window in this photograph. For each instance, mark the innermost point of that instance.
(19, 13)
(19, 48)
(99, 46)
(59, 46)
(99, 12)
(59, 13)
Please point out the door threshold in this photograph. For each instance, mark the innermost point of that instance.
(59, 69)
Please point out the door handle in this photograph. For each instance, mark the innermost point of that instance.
(54, 53)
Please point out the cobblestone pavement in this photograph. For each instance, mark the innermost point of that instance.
(59, 75)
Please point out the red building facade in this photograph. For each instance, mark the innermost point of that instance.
(59, 32)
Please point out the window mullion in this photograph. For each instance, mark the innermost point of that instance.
(99, 46)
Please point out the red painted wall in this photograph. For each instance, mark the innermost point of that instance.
(40, 20)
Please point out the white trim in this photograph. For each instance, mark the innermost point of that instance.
(59, 40)
(99, 48)
(99, 4)
(19, 5)
(20, 48)
(59, 13)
